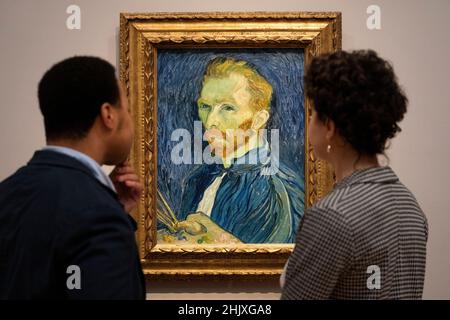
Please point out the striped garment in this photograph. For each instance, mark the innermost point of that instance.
(365, 240)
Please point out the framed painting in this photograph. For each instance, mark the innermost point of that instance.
(221, 136)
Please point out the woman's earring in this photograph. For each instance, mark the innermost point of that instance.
(329, 148)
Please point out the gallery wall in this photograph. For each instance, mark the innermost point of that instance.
(413, 36)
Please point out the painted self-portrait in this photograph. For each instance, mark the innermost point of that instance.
(230, 146)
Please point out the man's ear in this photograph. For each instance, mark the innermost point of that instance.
(108, 116)
(260, 119)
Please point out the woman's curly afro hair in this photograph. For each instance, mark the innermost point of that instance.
(358, 91)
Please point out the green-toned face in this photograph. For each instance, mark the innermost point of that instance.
(224, 103)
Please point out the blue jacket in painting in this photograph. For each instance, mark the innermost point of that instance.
(252, 204)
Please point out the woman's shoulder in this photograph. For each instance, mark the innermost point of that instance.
(369, 196)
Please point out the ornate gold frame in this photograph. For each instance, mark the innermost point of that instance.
(140, 37)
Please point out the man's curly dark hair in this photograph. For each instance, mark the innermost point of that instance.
(359, 91)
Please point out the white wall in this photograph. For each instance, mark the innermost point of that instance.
(414, 36)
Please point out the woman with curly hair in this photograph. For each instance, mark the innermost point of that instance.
(367, 238)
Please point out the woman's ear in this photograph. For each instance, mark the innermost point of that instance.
(260, 119)
(108, 116)
(330, 129)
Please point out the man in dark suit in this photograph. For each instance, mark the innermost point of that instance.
(64, 228)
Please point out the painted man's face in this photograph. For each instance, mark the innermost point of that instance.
(224, 104)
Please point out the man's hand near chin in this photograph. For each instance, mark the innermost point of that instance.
(127, 185)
